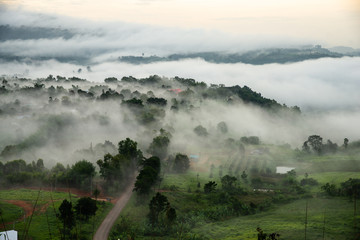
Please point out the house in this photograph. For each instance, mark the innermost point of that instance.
(283, 170)
(9, 235)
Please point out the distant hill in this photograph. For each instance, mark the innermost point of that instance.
(255, 57)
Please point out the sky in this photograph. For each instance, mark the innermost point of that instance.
(326, 22)
(105, 30)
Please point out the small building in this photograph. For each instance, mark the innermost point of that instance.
(283, 170)
(9, 235)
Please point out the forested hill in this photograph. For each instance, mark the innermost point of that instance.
(255, 57)
(188, 90)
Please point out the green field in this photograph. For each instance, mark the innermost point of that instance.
(44, 224)
(288, 220)
(9, 212)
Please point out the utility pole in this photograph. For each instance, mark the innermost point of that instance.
(324, 225)
(306, 213)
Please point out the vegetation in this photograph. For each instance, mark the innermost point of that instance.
(198, 178)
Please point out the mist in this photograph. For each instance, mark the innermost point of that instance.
(325, 89)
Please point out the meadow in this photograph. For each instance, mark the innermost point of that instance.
(43, 224)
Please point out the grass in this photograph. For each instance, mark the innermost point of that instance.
(333, 177)
(10, 212)
(288, 220)
(44, 224)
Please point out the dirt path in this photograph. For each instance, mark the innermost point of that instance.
(103, 231)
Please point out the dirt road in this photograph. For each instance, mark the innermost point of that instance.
(103, 231)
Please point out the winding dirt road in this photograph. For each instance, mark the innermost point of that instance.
(103, 231)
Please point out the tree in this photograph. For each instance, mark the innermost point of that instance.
(263, 236)
(210, 187)
(330, 189)
(222, 127)
(82, 172)
(148, 175)
(244, 177)
(85, 208)
(158, 204)
(201, 131)
(315, 142)
(346, 142)
(228, 182)
(159, 146)
(181, 163)
(305, 147)
(153, 162)
(128, 148)
(67, 217)
(171, 215)
(351, 187)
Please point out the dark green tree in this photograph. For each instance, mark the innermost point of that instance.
(315, 142)
(181, 163)
(210, 187)
(85, 208)
(159, 146)
(346, 142)
(128, 148)
(145, 180)
(228, 182)
(244, 177)
(81, 173)
(67, 217)
(158, 204)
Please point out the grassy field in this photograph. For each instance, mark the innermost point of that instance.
(9, 212)
(288, 220)
(44, 224)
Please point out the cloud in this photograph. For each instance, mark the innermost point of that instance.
(95, 39)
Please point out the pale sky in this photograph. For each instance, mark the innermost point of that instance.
(331, 22)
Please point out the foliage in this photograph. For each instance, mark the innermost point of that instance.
(228, 182)
(128, 148)
(158, 204)
(315, 142)
(351, 188)
(252, 140)
(222, 127)
(81, 173)
(115, 168)
(201, 131)
(181, 163)
(158, 147)
(67, 217)
(148, 175)
(85, 208)
(264, 236)
(330, 189)
(210, 187)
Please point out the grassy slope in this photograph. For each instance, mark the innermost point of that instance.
(288, 220)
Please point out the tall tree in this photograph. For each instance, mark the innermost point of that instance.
(85, 208)
(158, 204)
(315, 142)
(67, 217)
(181, 163)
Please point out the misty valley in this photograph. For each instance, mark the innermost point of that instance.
(187, 159)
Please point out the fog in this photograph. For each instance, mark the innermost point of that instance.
(314, 85)
(64, 131)
(107, 40)
(326, 89)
